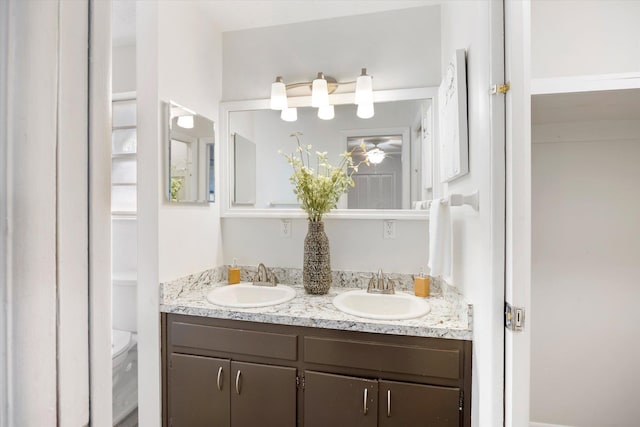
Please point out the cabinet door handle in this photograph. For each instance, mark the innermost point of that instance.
(365, 408)
(238, 381)
(388, 403)
(219, 381)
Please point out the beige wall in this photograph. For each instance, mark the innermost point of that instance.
(586, 241)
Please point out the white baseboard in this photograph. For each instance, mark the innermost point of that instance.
(534, 424)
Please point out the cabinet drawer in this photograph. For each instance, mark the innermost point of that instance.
(413, 360)
(236, 341)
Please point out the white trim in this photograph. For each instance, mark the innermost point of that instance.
(518, 208)
(151, 165)
(124, 96)
(494, 203)
(587, 83)
(4, 187)
(32, 91)
(72, 235)
(226, 181)
(100, 214)
(398, 214)
(534, 424)
(335, 99)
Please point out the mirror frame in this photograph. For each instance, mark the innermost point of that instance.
(226, 181)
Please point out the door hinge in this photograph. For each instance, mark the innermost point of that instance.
(495, 89)
(461, 403)
(513, 317)
(300, 382)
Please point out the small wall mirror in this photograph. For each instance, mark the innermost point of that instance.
(401, 133)
(190, 154)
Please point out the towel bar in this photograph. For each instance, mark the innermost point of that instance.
(472, 200)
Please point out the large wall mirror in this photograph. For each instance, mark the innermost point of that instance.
(190, 152)
(398, 139)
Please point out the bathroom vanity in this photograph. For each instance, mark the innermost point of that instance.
(304, 363)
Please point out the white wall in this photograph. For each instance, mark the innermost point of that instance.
(398, 48)
(576, 37)
(406, 54)
(586, 241)
(124, 68)
(466, 24)
(190, 73)
(179, 58)
(356, 245)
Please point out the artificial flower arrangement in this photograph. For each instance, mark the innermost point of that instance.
(318, 190)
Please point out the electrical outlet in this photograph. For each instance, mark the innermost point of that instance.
(285, 228)
(389, 229)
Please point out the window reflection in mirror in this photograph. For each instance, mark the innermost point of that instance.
(396, 132)
(191, 156)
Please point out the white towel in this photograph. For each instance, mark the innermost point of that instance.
(440, 239)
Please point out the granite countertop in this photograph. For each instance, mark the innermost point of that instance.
(450, 316)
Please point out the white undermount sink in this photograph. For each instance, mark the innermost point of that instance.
(398, 306)
(247, 295)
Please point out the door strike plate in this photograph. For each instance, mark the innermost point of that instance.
(513, 317)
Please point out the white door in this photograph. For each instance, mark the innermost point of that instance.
(518, 224)
(373, 191)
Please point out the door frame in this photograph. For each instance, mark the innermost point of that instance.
(518, 209)
(4, 142)
(100, 213)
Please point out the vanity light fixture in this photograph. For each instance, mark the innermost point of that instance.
(326, 113)
(319, 92)
(365, 111)
(321, 87)
(289, 114)
(364, 95)
(185, 122)
(364, 89)
(278, 94)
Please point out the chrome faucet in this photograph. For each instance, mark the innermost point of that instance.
(378, 285)
(263, 277)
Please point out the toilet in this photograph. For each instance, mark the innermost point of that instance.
(120, 345)
(124, 358)
(124, 349)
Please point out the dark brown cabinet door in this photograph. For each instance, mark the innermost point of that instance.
(262, 395)
(404, 404)
(198, 391)
(339, 401)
